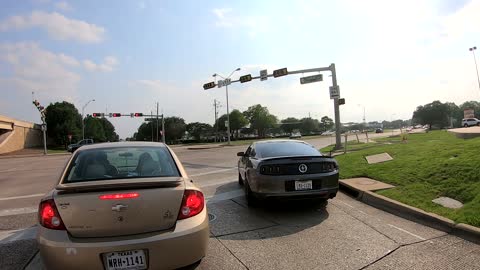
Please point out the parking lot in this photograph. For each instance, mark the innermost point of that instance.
(343, 234)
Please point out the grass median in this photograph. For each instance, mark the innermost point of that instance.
(425, 167)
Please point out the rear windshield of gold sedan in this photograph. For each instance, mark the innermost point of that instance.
(121, 163)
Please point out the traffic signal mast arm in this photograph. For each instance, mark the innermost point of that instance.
(293, 72)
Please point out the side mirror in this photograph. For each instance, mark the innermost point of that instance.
(240, 154)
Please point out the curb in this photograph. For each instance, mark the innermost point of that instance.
(204, 147)
(465, 231)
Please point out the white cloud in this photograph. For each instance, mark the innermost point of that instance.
(254, 25)
(64, 6)
(57, 26)
(39, 70)
(108, 64)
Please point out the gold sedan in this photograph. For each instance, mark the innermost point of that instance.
(123, 206)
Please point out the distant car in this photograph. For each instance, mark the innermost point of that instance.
(295, 135)
(328, 133)
(73, 147)
(286, 169)
(468, 122)
(379, 130)
(123, 206)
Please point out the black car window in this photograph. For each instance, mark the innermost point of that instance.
(249, 149)
(280, 149)
(252, 153)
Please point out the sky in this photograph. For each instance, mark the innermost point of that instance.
(390, 56)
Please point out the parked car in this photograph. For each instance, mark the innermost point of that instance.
(468, 122)
(124, 205)
(295, 135)
(328, 133)
(286, 169)
(73, 147)
(379, 130)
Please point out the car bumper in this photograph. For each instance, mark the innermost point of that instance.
(325, 185)
(183, 246)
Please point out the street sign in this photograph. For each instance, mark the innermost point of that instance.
(334, 92)
(222, 83)
(280, 72)
(44, 127)
(245, 78)
(341, 101)
(110, 115)
(226, 123)
(311, 79)
(208, 85)
(263, 75)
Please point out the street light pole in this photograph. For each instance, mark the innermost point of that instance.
(228, 109)
(476, 67)
(83, 119)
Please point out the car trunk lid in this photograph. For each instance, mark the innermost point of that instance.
(119, 207)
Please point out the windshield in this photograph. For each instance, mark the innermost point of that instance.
(121, 163)
(281, 149)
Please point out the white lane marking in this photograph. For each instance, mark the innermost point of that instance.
(212, 172)
(215, 183)
(405, 231)
(22, 197)
(18, 211)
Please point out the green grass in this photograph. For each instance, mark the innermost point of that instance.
(426, 167)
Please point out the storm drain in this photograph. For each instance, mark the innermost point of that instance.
(211, 217)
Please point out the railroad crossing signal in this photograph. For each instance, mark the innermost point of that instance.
(208, 85)
(280, 72)
(245, 78)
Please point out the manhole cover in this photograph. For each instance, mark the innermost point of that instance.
(211, 217)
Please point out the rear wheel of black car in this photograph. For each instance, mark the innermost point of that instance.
(252, 201)
(240, 180)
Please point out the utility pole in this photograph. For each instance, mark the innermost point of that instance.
(336, 107)
(476, 67)
(157, 122)
(216, 105)
(163, 127)
(151, 113)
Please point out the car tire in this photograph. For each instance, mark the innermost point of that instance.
(252, 200)
(466, 125)
(240, 180)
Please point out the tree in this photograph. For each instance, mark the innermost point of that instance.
(432, 114)
(288, 125)
(220, 125)
(237, 121)
(110, 134)
(260, 119)
(197, 130)
(94, 129)
(174, 128)
(327, 123)
(145, 132)
(63, 119)
(309, 125)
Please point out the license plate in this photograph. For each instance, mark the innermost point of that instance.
(125, 260)
(303, 185)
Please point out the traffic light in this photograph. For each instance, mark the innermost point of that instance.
(280, 72)
(97, 114)
(208, 85)
(116, 114)
(245, 78)
(341, 101)
(138, 114)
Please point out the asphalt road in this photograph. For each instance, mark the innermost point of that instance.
(344, 234)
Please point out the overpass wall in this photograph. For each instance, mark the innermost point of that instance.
(17, 135)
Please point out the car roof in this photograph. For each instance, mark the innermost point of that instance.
(121, 144)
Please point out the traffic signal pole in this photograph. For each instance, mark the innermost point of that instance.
(283, 72)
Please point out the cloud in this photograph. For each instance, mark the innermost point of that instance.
(57, 26)
(64, 6)
(254, 25)
(108, 64)
(39, 70)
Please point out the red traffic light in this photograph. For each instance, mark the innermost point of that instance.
(96, 114)
(138, 114)
(116, 114)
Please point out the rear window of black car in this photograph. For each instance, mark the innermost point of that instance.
(281, 149)
(121, 163)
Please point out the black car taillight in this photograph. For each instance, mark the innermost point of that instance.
(270, 169)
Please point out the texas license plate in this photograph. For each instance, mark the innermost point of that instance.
(125, 260)
(303, 185)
